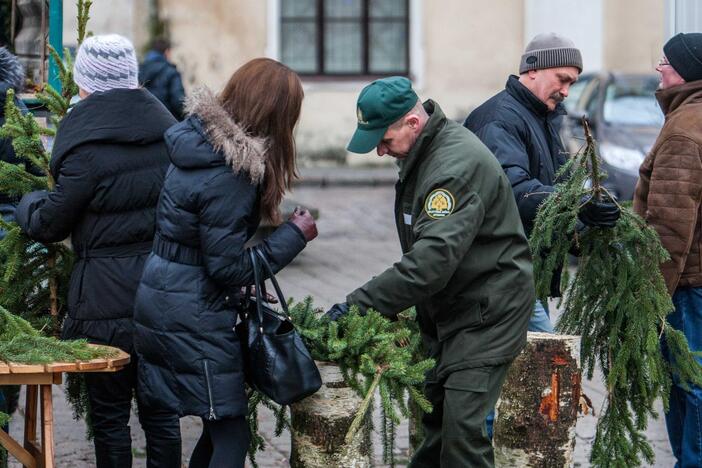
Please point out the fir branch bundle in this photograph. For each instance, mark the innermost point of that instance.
(372, 353)
(23, 344)
(618, 303)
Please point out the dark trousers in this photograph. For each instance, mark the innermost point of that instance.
(455, 434)
(223, 444)
(110, 396)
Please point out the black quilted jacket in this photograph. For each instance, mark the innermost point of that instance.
(189, 356)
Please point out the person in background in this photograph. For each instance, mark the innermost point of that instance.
(521, 126)
(161, 77)
(11, 78)
(109, 160)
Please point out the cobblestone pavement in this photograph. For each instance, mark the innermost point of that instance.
(357, 240)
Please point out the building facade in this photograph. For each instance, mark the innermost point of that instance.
(458, 52)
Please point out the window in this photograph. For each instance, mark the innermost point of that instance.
(632, 101)
(345, 37)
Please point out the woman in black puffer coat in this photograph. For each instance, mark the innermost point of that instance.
(231, 161)
(109, 160)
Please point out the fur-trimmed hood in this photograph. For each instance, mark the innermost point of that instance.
(210, 137)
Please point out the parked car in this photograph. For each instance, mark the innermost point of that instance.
(625, 119)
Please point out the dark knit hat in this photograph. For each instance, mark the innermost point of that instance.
(684, 53)
(549, 50)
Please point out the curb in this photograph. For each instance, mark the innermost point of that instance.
(347, 177)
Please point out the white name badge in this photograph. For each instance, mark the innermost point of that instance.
(408, 218)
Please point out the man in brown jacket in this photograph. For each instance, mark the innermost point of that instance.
(668, 197)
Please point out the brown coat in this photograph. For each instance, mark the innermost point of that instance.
(669, 190)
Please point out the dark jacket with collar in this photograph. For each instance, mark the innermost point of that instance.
(163, 80)
(524, 136)
(466, 264)
(109, 168)
(11, 77)
(190, 359)
(668, 194)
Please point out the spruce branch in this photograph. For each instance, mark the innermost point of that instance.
(21, 343)
(365, 405)
(617, 302)
(83, 17)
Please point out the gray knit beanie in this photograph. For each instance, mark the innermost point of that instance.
(106, 62)
(549, 50)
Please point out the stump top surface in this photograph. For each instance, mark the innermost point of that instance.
(117, 361)
(534, 336)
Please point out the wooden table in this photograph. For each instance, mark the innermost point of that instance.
(39, 378)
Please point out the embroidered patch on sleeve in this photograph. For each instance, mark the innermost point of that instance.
(439, 204)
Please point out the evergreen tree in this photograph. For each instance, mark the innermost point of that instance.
(34, 276)
(617, 302)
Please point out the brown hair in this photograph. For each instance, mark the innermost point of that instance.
(265, 97)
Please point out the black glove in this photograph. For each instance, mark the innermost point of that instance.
(30, 202)
(595, 213)
(337, 311)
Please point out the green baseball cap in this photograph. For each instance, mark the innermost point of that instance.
(379, 105)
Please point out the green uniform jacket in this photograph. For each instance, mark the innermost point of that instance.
(466, 264)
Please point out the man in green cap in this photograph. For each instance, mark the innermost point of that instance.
(466, 265)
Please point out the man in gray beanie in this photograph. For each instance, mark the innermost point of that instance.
(669, 197)
(521, 127)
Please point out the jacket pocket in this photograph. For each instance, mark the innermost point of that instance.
(448, 323)
(468, 380)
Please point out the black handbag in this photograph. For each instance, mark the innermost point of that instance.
(277, 363)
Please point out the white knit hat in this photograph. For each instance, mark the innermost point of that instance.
(106, 62)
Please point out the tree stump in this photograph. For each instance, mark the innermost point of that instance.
(320, 422)
(538, 406)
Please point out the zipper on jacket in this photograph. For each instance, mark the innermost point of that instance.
(212, 416)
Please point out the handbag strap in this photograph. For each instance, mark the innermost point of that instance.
(257, 282)
(267, 266)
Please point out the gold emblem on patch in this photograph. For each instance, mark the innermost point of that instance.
(359, 116)
(439, 204)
